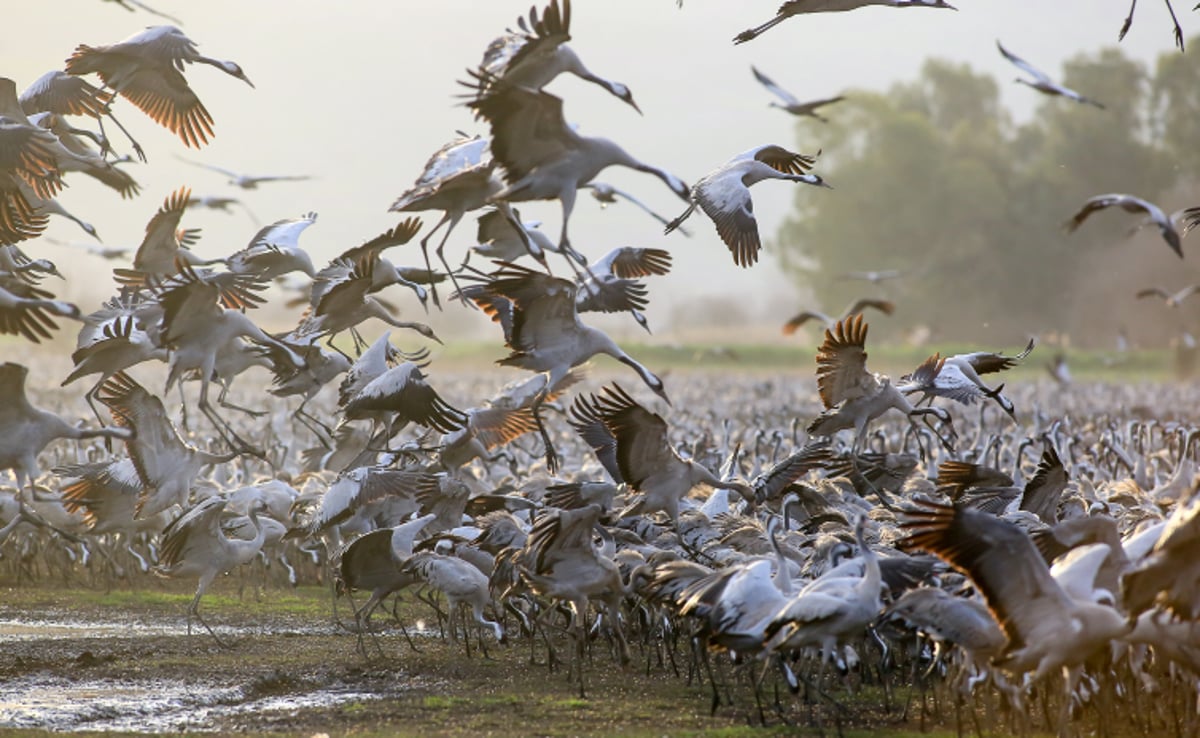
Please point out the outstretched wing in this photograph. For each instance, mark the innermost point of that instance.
(842, 362)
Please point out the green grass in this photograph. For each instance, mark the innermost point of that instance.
(1102, 366)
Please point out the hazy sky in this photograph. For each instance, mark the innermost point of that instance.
(359, 94)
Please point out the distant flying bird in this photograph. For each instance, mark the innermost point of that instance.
(247, 181)
(607, 195)
(791, 103)
(724, 195)
(798, 7)
(147, 70)
(1173, 300)
(872, 276)
(533, 56)
(1130, 204)
(1041, 82)
(224, 204)
(887, 307)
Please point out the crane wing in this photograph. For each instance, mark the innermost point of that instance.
(1025, 66)
(997, 555)
(787, 97)
(842, 362)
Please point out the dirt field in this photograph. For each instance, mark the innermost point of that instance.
(79, 659)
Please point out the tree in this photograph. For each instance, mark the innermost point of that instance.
(934, 179)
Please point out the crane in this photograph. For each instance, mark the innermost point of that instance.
(401, 395)
(246, 181)
(195, 544)
(607, 195)
(887, 307)
(114, 339)
(724, 195)
(831, 609)
(1129, 22)
(1170, 299)
(25, 430)
(632, 444)
(1047, 629)
(541, 156)
(537, 53)
(791, 103)
(559, 561)
(1041, 82)
(343, 302)
(610, 285)
(458, 178)
(166, 466)
(147, 70)
(852, 396)
(373, 561)
(275, 250)
(196, 325)
(165, 243)
(541, 326)
(798, 7)
(459, 580)
(25, 309)
(1130, 204)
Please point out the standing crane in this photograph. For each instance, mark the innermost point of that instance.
(195, 544)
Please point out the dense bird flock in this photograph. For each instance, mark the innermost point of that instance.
(1002, 541)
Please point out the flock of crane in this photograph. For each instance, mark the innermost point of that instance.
(732, 519)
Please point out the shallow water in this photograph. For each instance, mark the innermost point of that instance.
(151, 706)
(49, 628)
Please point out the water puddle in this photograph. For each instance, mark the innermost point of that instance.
(154, 706)
(28, 630)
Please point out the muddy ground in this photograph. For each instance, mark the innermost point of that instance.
(82, 660)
